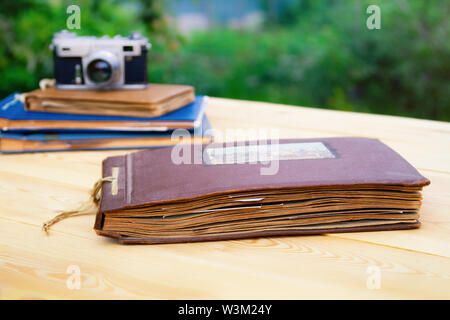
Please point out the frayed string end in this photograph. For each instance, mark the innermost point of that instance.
(94, 200)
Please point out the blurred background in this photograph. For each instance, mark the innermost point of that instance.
(316, 53)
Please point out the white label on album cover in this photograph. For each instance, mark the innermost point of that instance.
(267, 153)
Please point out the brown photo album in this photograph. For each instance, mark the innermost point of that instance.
(306, 186)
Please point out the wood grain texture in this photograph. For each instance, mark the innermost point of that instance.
(412, 264)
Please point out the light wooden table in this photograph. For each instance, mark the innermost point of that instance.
(410, 264)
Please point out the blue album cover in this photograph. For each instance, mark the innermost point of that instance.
(69, 137)
(12, 109)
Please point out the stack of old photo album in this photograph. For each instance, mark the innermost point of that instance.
(58, 120)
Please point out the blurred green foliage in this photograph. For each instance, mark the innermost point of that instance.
(315, 53)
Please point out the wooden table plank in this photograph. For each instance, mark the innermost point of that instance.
(289, 267)
(413, 264)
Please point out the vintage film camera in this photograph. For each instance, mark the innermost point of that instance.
(84, 62)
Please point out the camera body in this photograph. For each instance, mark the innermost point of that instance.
(85, 62)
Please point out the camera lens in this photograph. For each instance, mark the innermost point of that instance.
(99, 71)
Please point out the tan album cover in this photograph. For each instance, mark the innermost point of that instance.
(153, 101)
